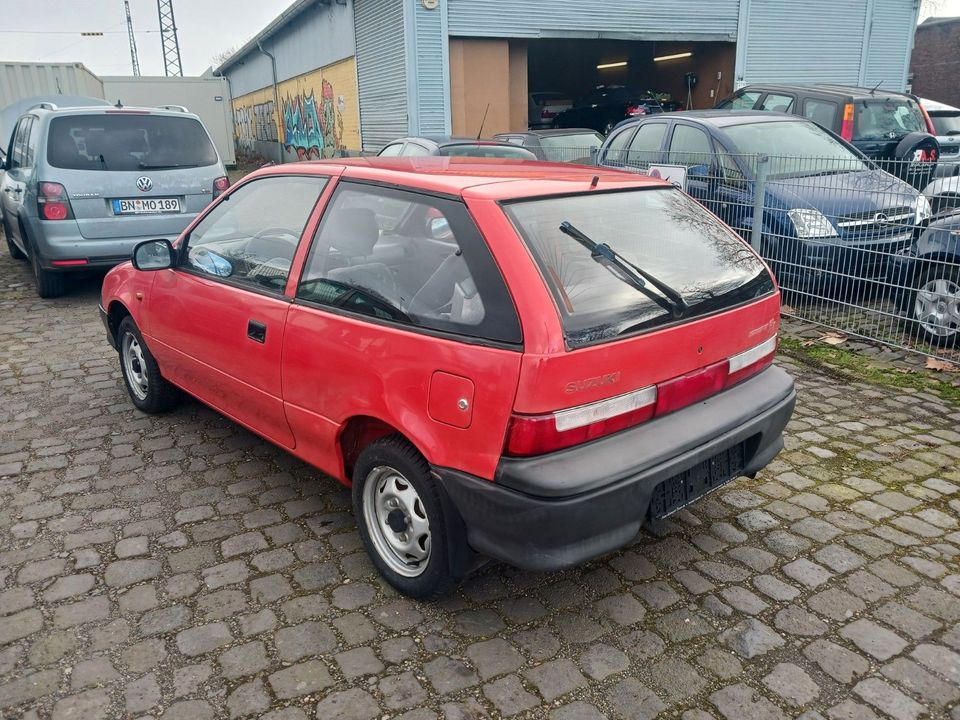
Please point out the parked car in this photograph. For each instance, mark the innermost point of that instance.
(607, 105)
(454, 147)
(926, 283)
(946, 127)
(828, 212)
(499, 360)
(888, 127)
(84, 185)
(543, 107)
(578, 145)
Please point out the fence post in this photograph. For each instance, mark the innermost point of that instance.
(759, 193)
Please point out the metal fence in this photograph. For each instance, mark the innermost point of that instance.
(868, 249)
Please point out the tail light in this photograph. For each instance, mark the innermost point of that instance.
(926, 118)
(634, 110)
(220, 185)
(846, 129)
(547, 114)
(53, 203)
(538, 434)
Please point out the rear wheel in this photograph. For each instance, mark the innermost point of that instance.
(401, 518)
(148, 390)
(935, 306)
(15, 252)
(48, 284)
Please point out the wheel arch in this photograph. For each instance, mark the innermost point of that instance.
(116, 312)
(358, 432)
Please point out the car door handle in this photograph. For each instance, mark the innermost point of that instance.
(257, 331)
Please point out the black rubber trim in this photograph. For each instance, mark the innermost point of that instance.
(105, 319)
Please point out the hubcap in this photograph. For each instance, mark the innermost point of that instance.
(397, 521)
(937, 307)
(134, 366)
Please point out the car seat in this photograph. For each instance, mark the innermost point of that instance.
(435, 298)
(352, 234)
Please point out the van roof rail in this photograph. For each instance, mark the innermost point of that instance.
(43, 106)
(179, 108)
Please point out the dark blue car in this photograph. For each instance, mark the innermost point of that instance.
(830, 216)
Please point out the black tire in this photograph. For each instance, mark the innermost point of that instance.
(15, 252)
(938, 275)
(153, 394)
(393, 453)
(48, 284)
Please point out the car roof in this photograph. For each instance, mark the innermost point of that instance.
(826, 88)
(108, 110)
(552, 132)
(720, 118)
(933, 106)
(489, 178)
(444, 140)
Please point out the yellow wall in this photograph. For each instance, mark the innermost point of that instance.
(319, 114)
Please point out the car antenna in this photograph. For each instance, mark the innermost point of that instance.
(874, 88)
(482, 122)
(593, 183)
(119, 104)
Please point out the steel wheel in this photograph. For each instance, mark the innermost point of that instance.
(397, 521)
(937, 307)
(135, 366)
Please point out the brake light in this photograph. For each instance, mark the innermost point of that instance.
(547, 114)
(846, 129)
(52, 202)
(634, 110)
(220, 185)
(538, 434)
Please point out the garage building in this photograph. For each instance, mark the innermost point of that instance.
(332, 76)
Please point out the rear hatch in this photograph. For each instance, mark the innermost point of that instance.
(132, 173)
(880, 125)
(631, 354)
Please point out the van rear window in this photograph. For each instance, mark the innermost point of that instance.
(661, 231)
(888, 119)
(128, 142)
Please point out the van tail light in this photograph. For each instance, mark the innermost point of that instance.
(546, 114)
(846, 129)
(539, 434)
(220, 185)
(53, 203)
(634, 110)
(926, 119)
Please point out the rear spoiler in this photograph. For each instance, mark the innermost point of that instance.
(178, 108)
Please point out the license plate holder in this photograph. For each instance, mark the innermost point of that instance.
(692, 484)
(146, 206)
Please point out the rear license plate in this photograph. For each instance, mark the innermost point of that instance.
(146, 206)
(681, 490)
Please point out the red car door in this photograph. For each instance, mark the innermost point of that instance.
(215, 322)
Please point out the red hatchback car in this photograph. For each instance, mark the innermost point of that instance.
(510, 359)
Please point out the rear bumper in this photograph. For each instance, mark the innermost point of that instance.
(562, 509)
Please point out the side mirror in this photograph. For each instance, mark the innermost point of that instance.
(153, 255)
(440, 229)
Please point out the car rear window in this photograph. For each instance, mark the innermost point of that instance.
(946, 123)
(887, 119)
(567, 148)
(128, 142)
(660, 230)
(491, 151)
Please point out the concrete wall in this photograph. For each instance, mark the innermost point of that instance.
(936, 62)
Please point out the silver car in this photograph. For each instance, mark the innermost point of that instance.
(83, 185)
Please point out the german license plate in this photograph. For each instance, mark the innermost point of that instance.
(681, 490)
(146, 206)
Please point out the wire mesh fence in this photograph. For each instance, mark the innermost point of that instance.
(871, 249)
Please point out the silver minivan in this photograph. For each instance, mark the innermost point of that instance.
(84, 185)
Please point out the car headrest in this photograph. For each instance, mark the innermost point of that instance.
(353, 231)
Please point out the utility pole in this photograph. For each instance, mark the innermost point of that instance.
(168, 39)
(133, 41)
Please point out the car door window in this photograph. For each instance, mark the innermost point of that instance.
(822, 112)
(430, 269)
(616, 151)
(743, 101)
(391, 150)
(777, 103)
(250, 238)
(31, 138)
(19, 143)
(646, 144)
(689, 146)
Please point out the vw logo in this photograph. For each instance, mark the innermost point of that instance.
(880, 219)
(145, 183)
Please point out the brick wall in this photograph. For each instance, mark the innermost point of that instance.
(935, 63)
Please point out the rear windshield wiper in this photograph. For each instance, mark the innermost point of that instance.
(165, 166)
(635, 276)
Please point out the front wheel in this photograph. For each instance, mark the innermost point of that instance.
(935, 305)
(401, 518)
(147, 388)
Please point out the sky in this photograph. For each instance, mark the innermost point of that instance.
(49, 30)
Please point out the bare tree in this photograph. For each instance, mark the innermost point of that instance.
(930, 8)
(221, 57)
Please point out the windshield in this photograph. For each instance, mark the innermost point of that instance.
(490, 151)
(662, 231)
(887, 119)
(128, 142)
(567, 148)
(799, 148)
(946, 124)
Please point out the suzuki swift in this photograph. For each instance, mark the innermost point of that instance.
(515, 360)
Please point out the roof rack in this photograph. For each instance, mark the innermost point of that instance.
(178, 108)
(43, 106)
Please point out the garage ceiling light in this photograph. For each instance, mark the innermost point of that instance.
(604, 66)
(673, 57)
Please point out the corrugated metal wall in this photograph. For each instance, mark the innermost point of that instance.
(381, 71)
(890, 44)
(640, 19)
(431, 55)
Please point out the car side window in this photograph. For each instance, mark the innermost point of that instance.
(616, 151)
(777, 103)
(31, 138)
(689, 146)
(251, 237)
(646, 144)
(17, 150)
(822, 112)
(743, 101)
(391, 150)
(430, 269)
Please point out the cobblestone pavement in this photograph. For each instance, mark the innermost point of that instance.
(179, 566)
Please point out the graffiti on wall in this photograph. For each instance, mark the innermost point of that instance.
(312, 131)
(318, 115)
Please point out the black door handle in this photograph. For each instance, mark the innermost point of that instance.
(256, 331)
